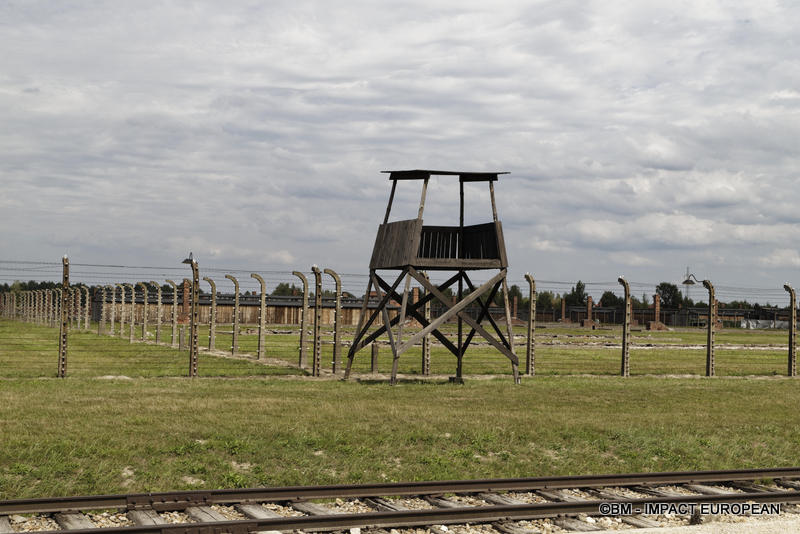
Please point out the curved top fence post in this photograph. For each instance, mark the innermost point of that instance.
(337, 319)
(158, 310)
(712, 319)
(303, 308)
(88, 299)
(145, 299)
(530, 353)
(626, 329)
(792, 369)
(235, 340)
(317, 356)
(113, 311)
(133, 311)
(262, 313)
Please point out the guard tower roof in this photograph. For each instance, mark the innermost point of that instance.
(422, 174)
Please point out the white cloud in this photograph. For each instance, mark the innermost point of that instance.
(650, 135)
(782, 258)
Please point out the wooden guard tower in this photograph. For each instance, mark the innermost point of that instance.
(413, 248)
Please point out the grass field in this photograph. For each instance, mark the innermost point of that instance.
(28, 350)
(80, 436)
(241, 426)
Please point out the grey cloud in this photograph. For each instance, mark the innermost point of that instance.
(256, 132)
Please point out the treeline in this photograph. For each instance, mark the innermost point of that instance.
(669, 293)
(282, 289)
(671, 296)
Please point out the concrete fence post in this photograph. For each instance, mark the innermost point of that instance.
(173, 339)
(101, 323)
(132, 312)
(212, 315)
(262, 314)
(426, 339)
(792, 368)
(317, 356)
(87, 307)
(303, 309)
(530, 359)
(195, 318)
(111, 313)
(337, 320)
(235, 338)
(145, 299)
(64, 329)
(37, 306)
(158, 311)
(121, 309)
(712, 319)
(625, 369)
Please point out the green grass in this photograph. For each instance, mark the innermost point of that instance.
(560, 350)
(28, 350)
(160, 431)
(80, 436)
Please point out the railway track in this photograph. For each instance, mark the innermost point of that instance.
(511, 506)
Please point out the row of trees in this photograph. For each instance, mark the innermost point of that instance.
(671, 297)
(282, 289)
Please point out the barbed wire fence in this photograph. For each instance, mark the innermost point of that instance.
(122, 320)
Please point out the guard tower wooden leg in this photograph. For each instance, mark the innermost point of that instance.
(403, 307)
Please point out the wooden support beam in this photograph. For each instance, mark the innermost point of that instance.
(452, 309)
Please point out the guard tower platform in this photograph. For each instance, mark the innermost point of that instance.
(413, 249)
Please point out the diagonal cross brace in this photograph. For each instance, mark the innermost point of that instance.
(356, 346)
(451, 310)
(412, 310)
(486, 308)
(457, 310)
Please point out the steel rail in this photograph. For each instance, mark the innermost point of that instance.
(436, 516)
(183, 499)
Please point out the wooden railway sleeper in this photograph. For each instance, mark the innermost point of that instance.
(165, 502)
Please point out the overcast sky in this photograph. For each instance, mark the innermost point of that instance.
(641, 137)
